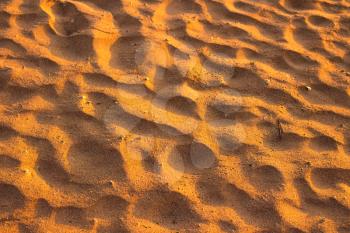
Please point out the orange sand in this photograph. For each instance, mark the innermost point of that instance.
(174, 116)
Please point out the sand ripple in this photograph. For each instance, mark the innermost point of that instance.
(174, 116)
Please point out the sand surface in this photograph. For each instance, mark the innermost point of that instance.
(174, 116)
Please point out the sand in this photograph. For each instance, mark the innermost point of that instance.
(174, 116)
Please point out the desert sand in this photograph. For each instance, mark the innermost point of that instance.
(174, 116)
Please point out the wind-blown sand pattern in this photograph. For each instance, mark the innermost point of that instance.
(174, 116)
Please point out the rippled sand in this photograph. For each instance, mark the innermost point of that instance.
(174, 116)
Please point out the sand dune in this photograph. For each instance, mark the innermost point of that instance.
(174, 116)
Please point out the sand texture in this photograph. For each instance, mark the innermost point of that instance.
(174, 116)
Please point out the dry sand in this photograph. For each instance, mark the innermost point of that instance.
(174, 116)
